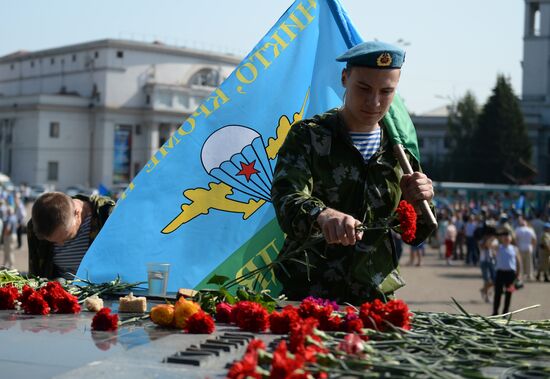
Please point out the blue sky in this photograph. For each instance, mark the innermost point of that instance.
(454, 46)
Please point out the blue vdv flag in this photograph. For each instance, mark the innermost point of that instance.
(202, 203)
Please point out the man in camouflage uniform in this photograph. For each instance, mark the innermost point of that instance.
(57, 221)
(324, 187)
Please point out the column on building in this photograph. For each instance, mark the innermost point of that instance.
(152, 139)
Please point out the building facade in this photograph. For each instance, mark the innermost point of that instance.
(94, 113)
(536, 81)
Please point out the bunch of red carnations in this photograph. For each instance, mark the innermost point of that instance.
(305, 326)
(253, 317)
(51, 298)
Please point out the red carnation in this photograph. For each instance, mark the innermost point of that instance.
(372, 314)
(245, 368)
(200, 323)
(330, 324)
(397, 314)
(52, 292)
(26, 292)
(283, 366)
(280, 322)
(250, 316)
(407, 221)
(255, 345)
(299, 332)
(311, 308)
(352, 323)
(104, 320)
(223, 312)
(36, 305)
(67, 304)
(8, 296)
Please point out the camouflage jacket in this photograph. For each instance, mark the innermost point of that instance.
(319, 166)
(41, 251)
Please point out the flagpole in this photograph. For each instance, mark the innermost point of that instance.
(407, 169)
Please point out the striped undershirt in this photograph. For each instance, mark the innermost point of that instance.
(366, 142)
(67, 257)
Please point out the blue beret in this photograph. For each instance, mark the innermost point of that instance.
(374, 54)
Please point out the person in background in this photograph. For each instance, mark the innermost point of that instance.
(471, 245)
(61, 230)
(10, 237)
(544, 254)
(460, 235)
(487, 252)
(417, 252)
(20, 215)
(526, 241)
(508, 269)
(450, 240)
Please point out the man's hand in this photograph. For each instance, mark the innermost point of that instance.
(338, 227)
(416, 187)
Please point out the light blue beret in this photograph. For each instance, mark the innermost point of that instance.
(374, 54)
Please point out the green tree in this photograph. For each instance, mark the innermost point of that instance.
(500, 142)
(461, 126)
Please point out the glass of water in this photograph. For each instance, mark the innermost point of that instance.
(157, 275)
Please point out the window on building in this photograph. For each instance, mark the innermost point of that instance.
(74, 57)
(52, 60)
(53, 171)
(147, 99)
(206, 77)
(534, 20)
(447, 142)
(54, 129)
(138, 129)
(32, 63)
(12, 66)
(96, 54)
(120, 54)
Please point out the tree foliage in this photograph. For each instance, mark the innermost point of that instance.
(490, 146)
(501, 149)
(461, 124)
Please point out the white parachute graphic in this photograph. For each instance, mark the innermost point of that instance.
(236, 155)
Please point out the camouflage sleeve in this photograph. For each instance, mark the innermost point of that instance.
(291, 192)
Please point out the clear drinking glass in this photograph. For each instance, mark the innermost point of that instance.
(157, 275)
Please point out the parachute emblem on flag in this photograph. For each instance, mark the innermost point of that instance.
(236, 155)
(239, 159)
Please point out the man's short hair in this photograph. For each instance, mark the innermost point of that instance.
(51, 211)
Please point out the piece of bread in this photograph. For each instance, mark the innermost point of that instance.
(132, 304)
(93, 303)
(186, 293)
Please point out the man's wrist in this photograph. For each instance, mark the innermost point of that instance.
(316, 211)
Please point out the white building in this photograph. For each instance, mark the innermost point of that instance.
(536, 81)
(96, 112)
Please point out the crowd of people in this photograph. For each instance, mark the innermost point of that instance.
(12, 222)
(511, 246)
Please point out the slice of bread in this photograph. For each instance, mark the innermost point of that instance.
(132, 304)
